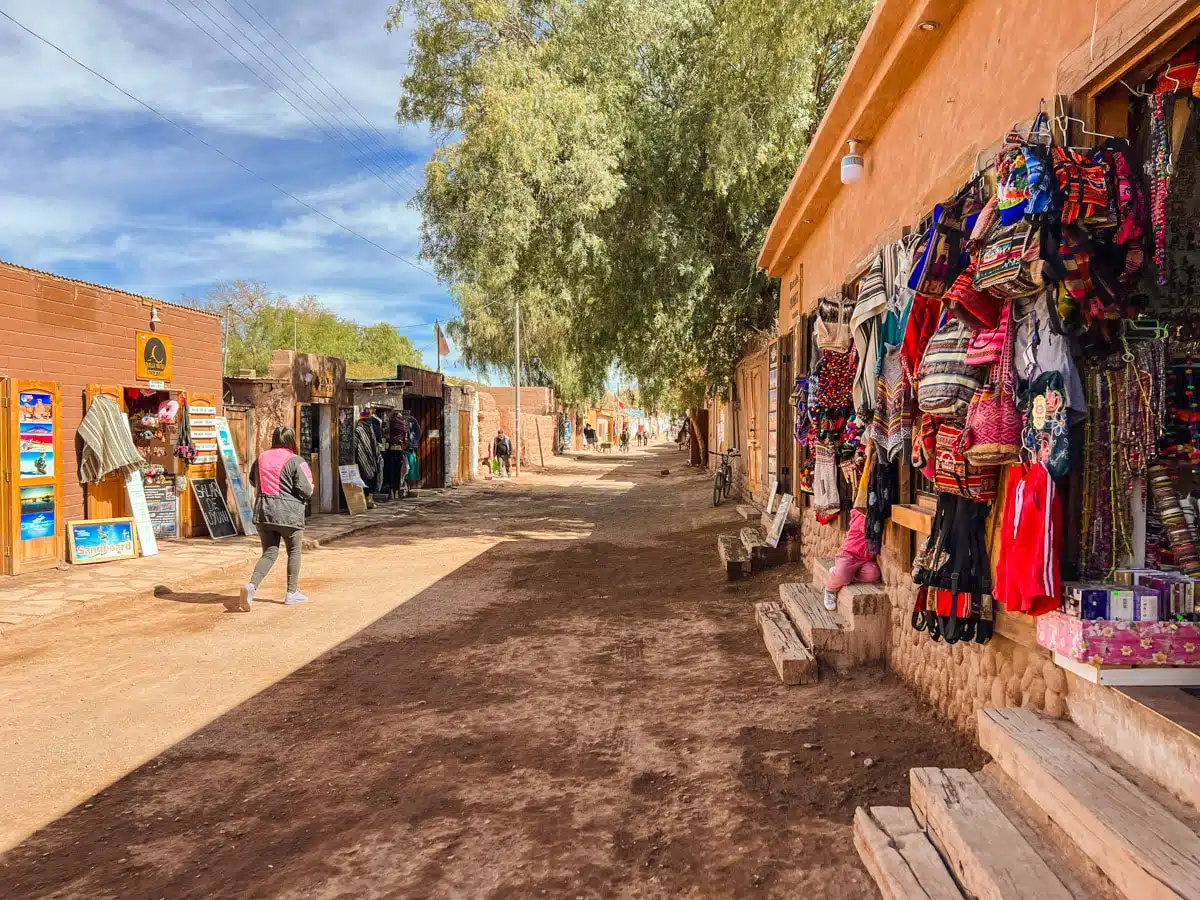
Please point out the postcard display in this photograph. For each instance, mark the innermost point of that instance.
(36, 519)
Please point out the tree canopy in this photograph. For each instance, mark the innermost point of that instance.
(613, 165)
(258, 322)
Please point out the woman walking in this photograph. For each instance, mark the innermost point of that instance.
(285, 484)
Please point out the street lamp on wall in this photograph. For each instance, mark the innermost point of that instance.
(852, 165)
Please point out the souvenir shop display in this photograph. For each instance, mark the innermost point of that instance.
(1038, 343)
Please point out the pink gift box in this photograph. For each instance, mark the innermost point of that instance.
(1104, 642)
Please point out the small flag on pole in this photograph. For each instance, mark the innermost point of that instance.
(442, 344)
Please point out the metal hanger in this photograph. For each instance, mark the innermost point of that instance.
(1083, 129)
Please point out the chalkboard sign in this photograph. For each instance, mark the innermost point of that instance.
(212, 507)
(346, 422)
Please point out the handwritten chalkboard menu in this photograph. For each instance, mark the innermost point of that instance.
(163, 504)
(307, 432)
(212, 506)
(346, 436)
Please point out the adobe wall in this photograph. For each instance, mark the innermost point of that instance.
(997, 59)
(534, 400)
(957, 679)
(56, 329)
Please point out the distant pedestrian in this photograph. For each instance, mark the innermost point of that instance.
(412, 470)
(589, 435)
(625, 439)
(285, 485)
(502, 450)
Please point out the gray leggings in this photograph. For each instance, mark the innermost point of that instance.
(270, 536)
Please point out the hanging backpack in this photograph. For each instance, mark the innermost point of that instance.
(940, 254)
(945, 382)
(953, 575)
(993, 431)
(953, 473)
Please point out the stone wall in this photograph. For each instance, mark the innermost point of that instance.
(957, 679)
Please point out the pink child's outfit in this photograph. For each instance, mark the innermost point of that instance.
(853, 563)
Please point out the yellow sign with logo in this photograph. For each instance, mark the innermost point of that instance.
(153, 357)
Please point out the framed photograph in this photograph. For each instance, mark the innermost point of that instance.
(101, 540)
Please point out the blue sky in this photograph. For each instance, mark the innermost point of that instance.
(95, 187)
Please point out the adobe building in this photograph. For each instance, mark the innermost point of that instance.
(65, 341)
(930, 95)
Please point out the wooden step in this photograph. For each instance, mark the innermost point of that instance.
(793, 661)
(984, 849)
(746, 511)
(827, 633)
(853, 599)
(733, 555)
(1145, 850)
(899, 857)
(754, 540)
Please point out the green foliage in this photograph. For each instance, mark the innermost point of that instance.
(258, 321)
(613, 165)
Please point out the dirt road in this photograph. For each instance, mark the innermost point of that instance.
(543, 690)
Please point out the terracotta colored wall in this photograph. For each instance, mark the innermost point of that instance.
(535, 400)
(76, 334)
(997, 59)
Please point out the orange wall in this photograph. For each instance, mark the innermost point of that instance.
(77, 334)
(997, 59)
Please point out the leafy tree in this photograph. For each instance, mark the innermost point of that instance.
(258, 322)
(613, 165)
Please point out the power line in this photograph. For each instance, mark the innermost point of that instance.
(213, 147)
(333, 118)
(381, 140)
(366, 161)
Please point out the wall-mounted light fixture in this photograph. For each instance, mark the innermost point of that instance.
(852, 165)
(154, 317)
(929, 25)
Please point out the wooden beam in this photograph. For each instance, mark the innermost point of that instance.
(1145, 850)
(913, 517)
(992, 860)
(793, 661)
(899, 856)
(1135, 32)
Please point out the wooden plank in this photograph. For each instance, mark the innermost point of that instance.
(746, 511)
(754, 542)
(1016, 626)
(913, 517)
(822, 629)
(1134, 32)
(1145, 850)
(987, 853)
(793, 661)
(854, 600)
(734, 557)
(899, 856)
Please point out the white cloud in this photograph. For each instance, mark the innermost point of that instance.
(97, 188)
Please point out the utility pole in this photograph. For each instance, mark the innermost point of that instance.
(517, 390)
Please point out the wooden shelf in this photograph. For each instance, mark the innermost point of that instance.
(914, 518)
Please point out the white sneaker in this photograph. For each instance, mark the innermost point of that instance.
(293, 597)
(830, 600)
(246, 598)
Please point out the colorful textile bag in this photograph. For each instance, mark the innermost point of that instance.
(946, 383)
(993, 432)
(986, 346)
(953, 474)
(978, 310)
(1009, 263)
(940, 255)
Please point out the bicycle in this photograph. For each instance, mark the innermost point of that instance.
(723, 480)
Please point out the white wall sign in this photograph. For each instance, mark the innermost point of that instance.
(776, 532)
(233, 471)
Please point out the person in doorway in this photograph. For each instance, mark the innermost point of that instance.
(502, 450)
(412, 471)
(396, 459)
(284, 483)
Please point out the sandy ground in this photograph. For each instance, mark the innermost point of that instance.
(548, 690)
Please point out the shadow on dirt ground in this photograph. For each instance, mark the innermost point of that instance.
(589, 715)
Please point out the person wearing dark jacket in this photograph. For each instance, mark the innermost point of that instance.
(502, 450)
(285, 485)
